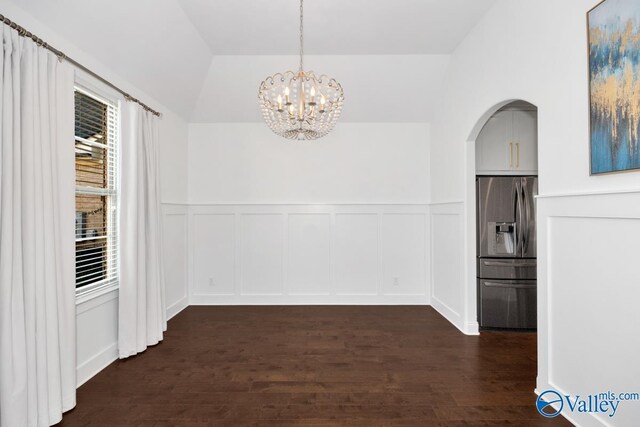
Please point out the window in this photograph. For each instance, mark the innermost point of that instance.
(96, 145)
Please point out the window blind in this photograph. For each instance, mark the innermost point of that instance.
(96, 154)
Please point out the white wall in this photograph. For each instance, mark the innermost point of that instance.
(340, 220)
(356, 163)
(97, 317)
(536, 51)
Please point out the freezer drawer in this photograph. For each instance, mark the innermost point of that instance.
(508, 303)
(504, 268)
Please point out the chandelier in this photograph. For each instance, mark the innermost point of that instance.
(300, 105)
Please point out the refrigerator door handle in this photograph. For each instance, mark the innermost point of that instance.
(518, 216)
(514, 197)
(509, 264)
(508, 285)
(525, 231)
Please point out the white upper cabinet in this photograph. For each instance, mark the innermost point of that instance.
(492, 146)
(525, 136)
(508, 144)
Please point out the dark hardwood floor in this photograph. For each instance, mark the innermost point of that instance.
(318, 365)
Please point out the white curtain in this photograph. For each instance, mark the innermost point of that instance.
(142, 318)
(37, 255)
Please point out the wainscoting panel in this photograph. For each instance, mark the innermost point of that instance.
(588, 293)
(261, 259)
(447, 261)
(175, 241)
(214, 245)
(404, 243)
(309, 261)
(309, 254)
(356, 260)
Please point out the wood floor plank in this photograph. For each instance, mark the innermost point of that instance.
(317, 366)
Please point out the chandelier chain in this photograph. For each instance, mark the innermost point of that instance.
(301, 36)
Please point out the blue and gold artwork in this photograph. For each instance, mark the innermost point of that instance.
(614, 85)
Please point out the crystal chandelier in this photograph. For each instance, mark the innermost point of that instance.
(300, 105)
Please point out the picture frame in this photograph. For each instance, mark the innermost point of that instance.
(613, 37)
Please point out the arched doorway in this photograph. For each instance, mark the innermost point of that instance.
(511, 168)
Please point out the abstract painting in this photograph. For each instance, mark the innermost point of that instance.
(614, 85)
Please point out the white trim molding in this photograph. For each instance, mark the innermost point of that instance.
(309, 254)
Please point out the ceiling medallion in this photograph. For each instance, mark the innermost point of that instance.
(300, 105)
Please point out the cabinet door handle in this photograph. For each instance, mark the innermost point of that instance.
(517, 154)
(511, 154)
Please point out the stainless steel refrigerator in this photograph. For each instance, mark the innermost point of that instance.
(507, 251)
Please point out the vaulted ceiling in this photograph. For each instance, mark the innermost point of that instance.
(334, 27)
(191, 55)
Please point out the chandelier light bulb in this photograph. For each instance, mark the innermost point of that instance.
(312, 96)
(286, 95)
(279, 102)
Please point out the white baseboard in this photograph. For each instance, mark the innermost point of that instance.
(471, 328)
(97, 363)
(308, 300)
(454, 318)
(177, 307)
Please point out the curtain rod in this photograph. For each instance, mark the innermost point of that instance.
(22, 32)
